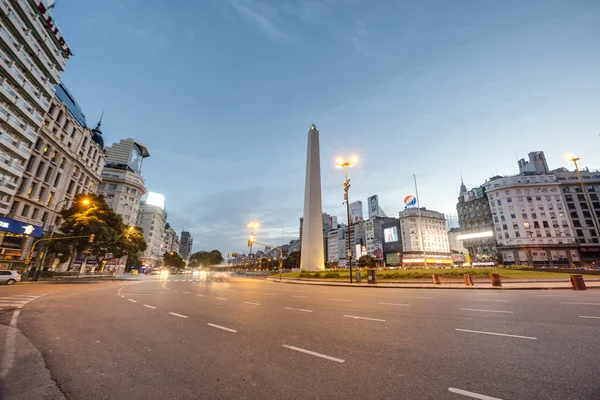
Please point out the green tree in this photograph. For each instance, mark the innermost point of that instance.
(366, 261)
(293, 260)
(206, 258)
(173, 260)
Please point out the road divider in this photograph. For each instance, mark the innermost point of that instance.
(313, 353)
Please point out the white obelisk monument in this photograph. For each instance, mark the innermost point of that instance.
(312, 256)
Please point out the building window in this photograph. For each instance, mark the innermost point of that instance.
(545, 224)
(62, 162)
(30, 164)
(41, 194)
(70, 189)
(25, 211)
(579, 232)
(112, 187)
(57, 180)
(50, 197)
(517, 234)
(35, 213)
(48, 175)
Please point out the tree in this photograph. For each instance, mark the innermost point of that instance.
(173, 260)
(293, 260)
(94, 216)
(205, 258)
(366, 261)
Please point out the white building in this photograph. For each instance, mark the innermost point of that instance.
(456, 245)
(531, 222)
(429, 229)
(122, 182)
(337, 245)
(171, 241)
(152, 219)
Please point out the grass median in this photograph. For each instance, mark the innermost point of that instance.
(455, 273)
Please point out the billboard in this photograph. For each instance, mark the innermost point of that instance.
(356, 211)
(334, 223)
(156, 199)
(390, 234)
(475, 194)
(373, 202)
(410, 201)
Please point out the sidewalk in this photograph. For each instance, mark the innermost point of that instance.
(481, 285)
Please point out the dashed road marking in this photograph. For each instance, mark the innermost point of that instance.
(252, 303)
(220, 298)
(581, 304)
(588, 316)
(185, 292)
(472, 395)
(395, 304)
(152, 307)
(222, 327)
(297, 309)
(496, 334)
(477, 309)
(498, 301)
(178, 315)
(368, 319)
(421, 297)
(200, 295)
(300, 297)
(313, 353)
(341, 300)
(132, 300)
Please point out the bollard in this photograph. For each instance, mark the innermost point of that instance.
(577, 282)
(436, 279)
(495, 278)
(469, 280)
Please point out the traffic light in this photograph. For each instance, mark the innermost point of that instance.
(235, 255)
(249, 242)
(91, 239)
(347, 185)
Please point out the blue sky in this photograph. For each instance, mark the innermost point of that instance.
(223, 92)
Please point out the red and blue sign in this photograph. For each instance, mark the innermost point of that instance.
(410, 201)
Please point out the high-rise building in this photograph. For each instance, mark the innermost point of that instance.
(152, 219)
(33, 54)
(374, 236)
(337, 245)
(171, 241)
(374, 210)
(476, 225)
(428, 228)
(122, 182)
(187, 242)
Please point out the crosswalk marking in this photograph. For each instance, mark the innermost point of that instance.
(17, 301)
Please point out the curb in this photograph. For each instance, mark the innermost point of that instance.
(417, 286)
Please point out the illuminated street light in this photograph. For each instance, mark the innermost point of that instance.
(341, 163)
(252, 225)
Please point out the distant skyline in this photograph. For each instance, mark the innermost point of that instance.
(223, 93)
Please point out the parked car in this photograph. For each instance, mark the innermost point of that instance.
(9, 277)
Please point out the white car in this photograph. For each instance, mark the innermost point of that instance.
(9, 277)
(219, 274)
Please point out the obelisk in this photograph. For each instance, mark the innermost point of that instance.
(312, 255)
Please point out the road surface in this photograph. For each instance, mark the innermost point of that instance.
(253, 339)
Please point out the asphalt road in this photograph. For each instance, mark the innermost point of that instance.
(253, 339)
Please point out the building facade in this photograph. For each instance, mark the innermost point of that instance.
(122, 183)
(337, 245)
(428, 230)
(171, 241)
(476, 225)
(456, 245)
(374, 237)
(187, 242)
(152, 219)
(32, 57)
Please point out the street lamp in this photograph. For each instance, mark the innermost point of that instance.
(340, 163)
(585, 194)
(253, 225)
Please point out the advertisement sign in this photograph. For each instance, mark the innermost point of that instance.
(392, 259)
(410, 201)
(390, 234)
(475, 194)
(356, 211)
(334, 223)
(373, 202)
(13, 226)
(377, 249)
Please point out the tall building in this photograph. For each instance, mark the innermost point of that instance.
(456, 245)
(171, 241)
(337, 245)
(122, 182)
(374, 236)
(152, 218)
(476, 225)
(187, 242)
(428, 229)
(33, 54)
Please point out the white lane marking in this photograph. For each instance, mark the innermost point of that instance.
(582, 304)
(340, 300)
(132, 300)
(11, 305)
(297, 309)
(185, 292)
(313, 353)
(499, 301)
(178, 315)
(222, 327)
(472, 394)
(588, 316)
(478, 309)
(395, 304)
(10, 347)
(496, 334)
(252, 303)
(420, 297)
(220, 298)
(369, 319)
(33, 296)
(300, 297)
(270, 294)
(200, 295)
(176, 280)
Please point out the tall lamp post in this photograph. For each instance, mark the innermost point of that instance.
(586, 195)
(340, 163)
(252, 225)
